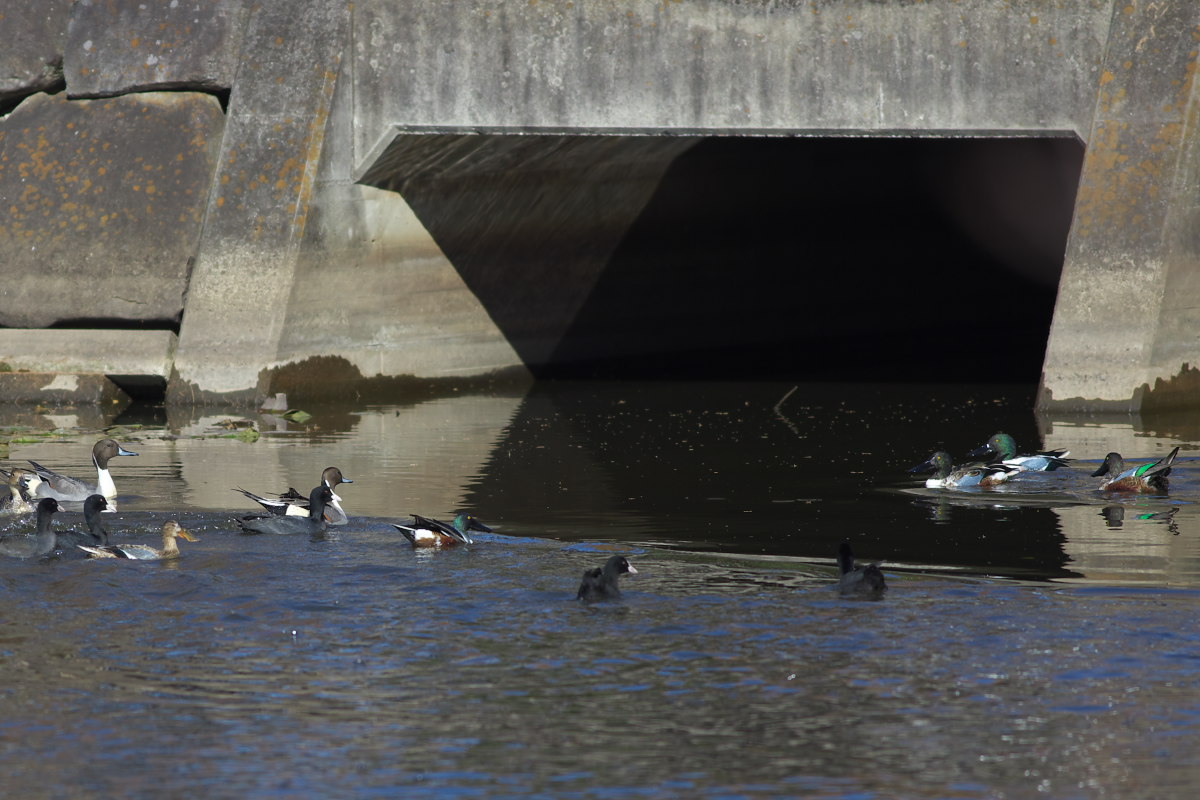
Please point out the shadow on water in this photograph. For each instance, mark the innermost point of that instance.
(1030, 641)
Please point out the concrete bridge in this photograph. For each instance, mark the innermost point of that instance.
(235, 198)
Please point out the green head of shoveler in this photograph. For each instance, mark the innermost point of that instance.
(468, 522)
(1000, 447)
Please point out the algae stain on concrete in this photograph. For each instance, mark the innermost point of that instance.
(325, 378)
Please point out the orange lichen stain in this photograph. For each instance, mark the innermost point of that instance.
(134, 42)
(1128, 65)
(1106, 77)
(1033, 20)
(1053, 41)
(220, 202)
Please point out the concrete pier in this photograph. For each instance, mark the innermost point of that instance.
(372, 192)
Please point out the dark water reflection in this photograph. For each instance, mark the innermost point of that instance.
(1036, 640)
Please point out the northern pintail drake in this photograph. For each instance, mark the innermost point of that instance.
(1146, 478)
(601, 583)
(318, 499)
(22, 488)
(946, 476)
(424, 532)
(95, 535)
(1003, 448)
(858, 580)
(64, 488)
(41, 543)
(172, 531)
(292, 503)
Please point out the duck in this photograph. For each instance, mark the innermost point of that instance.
(63, 488)
(1146, 478)
(22, 484)
(95, 534)
(966, 476)
(41, 543)
(601, 584)
(1003, 448)
(172, 531)
(857, 580)
(293, 503)
(424, 532)
(318, 499)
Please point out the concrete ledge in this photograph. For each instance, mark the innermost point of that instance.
(107, 352)
(48, 388)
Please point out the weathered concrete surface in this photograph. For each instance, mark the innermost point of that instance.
(110, 352)
(259, 207)
(33, 35)
(101, 204)
(710, 65)
(115, 47)
(1127, 320)
(58, 389)
(474, 251)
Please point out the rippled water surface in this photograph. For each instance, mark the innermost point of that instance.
(1037, 640)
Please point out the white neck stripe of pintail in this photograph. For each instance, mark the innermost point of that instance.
(104, 483)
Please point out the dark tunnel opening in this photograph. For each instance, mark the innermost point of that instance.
(915, 260)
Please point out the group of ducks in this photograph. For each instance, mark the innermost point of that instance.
(41, 490)
(291, 512)
(1002, 462)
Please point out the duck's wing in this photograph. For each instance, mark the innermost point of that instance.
(61, 487)
(100, 552)
(270, 504)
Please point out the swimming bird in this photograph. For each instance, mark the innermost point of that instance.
(40, 544)
(858, 580)
(426, 532)
(171, 532)
(293, 503)
(601, 584)
(22, 484)
(1003, 448)
(1145, 478)
(318, 499)
(95, 534)
(61, 487)
(969, 475)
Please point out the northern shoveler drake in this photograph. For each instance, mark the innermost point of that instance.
(171, 532)
(64, 488)
(22, 488)
(601, 583)
(1003, 448)
(424, 532)
(858, 580)
(1146, 478)
(295, 504)
(969, 475)
(318, 499)
(40, 544)
(95, 535)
